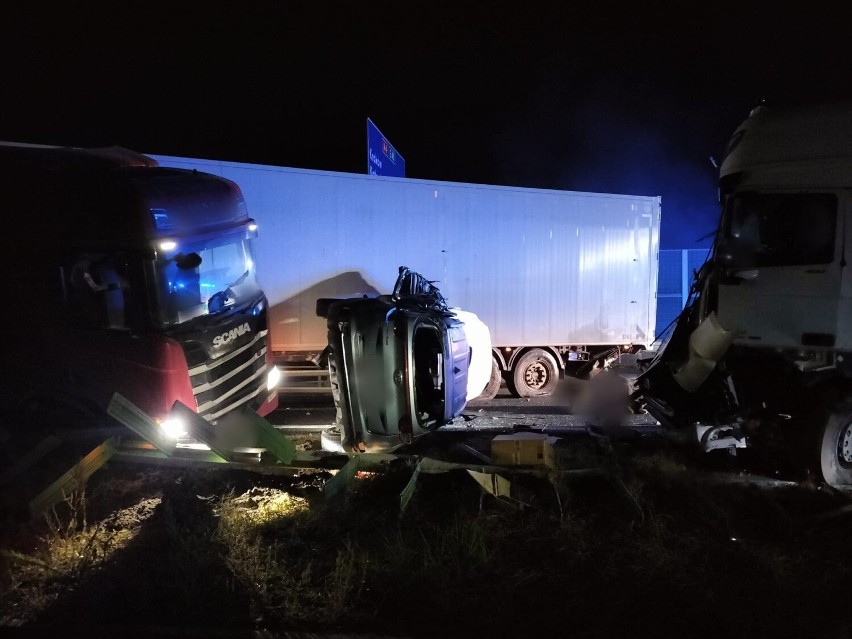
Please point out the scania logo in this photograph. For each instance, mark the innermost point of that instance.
(234, 333)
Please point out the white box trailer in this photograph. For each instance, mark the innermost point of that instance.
(561, 278)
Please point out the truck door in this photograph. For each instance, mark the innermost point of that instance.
(782, 254)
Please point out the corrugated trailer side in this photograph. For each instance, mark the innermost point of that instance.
(544, 269)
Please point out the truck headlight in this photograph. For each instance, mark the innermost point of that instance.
(174, 427)
(272, 378)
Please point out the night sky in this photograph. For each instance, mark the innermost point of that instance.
(597, 96)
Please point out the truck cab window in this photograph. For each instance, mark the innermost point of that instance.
(780, 229)
(221, 277)
(97, 290)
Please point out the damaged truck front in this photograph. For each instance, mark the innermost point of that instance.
(762, 355)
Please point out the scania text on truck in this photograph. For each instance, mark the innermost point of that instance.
(123, 276)
(563, 280)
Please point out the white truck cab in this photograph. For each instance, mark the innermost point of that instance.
(785, 231)
(762, 358)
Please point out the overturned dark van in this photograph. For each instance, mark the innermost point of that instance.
(399, 364)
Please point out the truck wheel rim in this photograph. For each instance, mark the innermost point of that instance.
(535, 375)
(844, 444)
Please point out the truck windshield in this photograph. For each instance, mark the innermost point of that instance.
(224, 279)
(779, 229)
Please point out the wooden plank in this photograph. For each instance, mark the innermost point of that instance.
(74, 479)
(136, 420)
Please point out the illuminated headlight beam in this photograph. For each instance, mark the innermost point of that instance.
(174, 427)
(272, 378)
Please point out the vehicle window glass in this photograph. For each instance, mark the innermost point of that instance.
(97, 292)
(224, 278)
(781, 229)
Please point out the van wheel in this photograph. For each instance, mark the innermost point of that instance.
(836, 447)
(493, 385)
(535, 374)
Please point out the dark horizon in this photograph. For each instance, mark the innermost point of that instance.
(598, 98)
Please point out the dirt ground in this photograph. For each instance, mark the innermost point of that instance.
(654, 544)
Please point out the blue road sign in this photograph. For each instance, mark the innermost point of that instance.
(382, 158)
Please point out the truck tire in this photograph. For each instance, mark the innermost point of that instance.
(836, 447)
(535, 374)
(493, 385)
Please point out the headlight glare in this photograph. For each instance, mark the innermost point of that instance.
(174, 427)
(272, 378)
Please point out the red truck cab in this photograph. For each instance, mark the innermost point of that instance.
(132, 278)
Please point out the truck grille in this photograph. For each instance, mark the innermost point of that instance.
(234, 379)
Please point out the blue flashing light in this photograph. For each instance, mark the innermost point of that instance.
(161, 219)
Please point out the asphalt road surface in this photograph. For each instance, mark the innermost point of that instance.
(504, 413)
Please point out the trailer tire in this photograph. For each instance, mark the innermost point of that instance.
(493, 386)
(535, 374)
(836, 447)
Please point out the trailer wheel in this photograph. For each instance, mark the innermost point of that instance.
(535, 374)
(836, 447)
(493, 385)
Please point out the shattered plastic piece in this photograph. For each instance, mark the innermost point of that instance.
(342, 481)
(492, 483)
